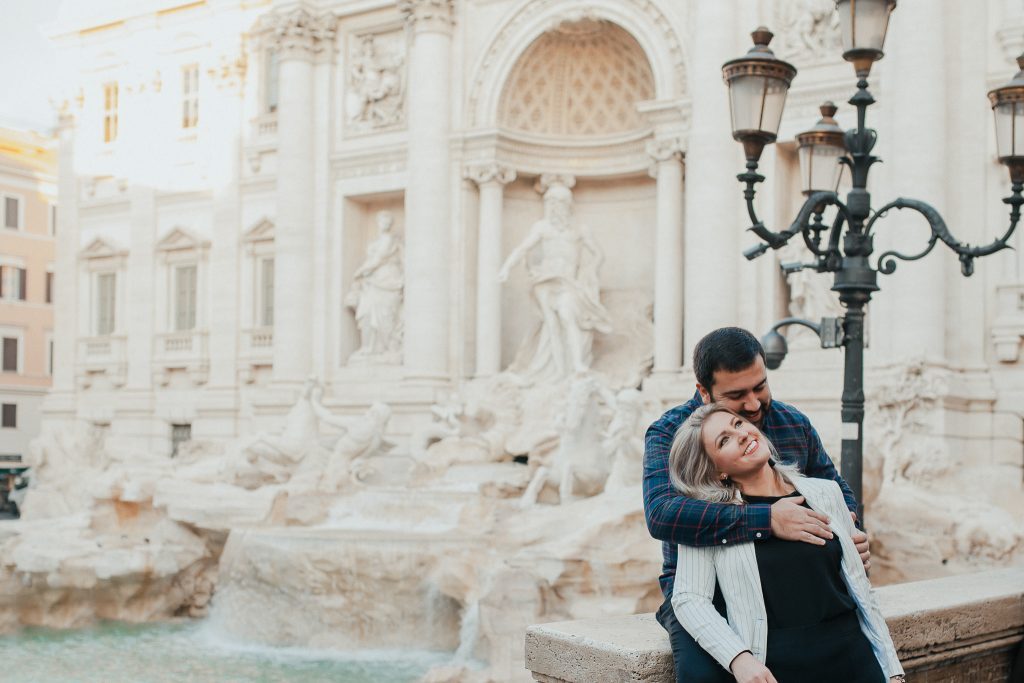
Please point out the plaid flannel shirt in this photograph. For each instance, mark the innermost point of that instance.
(673, 518)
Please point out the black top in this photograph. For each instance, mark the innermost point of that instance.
(802, 583)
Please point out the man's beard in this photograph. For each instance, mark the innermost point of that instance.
(757, 418)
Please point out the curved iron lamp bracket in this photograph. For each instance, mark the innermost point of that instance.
(828, 258)
(886, 263)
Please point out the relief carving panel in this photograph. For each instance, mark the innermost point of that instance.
(375, 81)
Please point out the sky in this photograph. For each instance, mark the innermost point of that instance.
(27, 64)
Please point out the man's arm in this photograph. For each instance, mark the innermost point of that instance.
(819, 466)
(674, 518)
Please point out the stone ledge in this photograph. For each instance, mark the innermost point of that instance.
(950, 629)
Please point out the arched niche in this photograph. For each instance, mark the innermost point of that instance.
(582, 78)
(643, 20)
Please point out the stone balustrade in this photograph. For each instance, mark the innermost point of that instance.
(957, 628)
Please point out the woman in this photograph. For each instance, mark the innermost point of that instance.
(797, 611)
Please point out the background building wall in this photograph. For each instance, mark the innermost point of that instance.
(27, 175)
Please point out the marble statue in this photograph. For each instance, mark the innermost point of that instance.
(359, 438)
(810, 297)
(376, 297)
(621, 442)
(375, 95)
(562, 261)
(271, 458)
(580, 465)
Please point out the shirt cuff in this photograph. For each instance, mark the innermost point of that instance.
(758, 518)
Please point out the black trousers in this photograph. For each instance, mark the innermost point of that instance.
(692, 663)
(832, 650)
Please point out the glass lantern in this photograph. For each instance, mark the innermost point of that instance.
(820, 149)
(863, 24)
(1008, 107)
(758, 83)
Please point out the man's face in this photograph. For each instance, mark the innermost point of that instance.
(745, 391)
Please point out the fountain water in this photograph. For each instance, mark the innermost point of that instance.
(436, 553)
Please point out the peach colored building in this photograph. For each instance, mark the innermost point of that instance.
(28, 211)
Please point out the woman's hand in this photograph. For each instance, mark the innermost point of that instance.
(747, 669)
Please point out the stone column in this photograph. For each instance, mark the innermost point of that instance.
(491, 179)
(912, 302)
(713, 197)
(65, 309)
(429, 191)
(297, 36)
(221, 124)
(667, 169)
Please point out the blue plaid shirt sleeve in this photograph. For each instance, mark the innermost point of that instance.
(674, 518)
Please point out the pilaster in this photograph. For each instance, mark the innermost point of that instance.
(491, 180)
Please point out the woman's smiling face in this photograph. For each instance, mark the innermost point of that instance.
(735, 445)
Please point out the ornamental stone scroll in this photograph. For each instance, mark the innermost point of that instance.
(484, 174)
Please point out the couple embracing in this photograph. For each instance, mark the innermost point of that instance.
(764, 570)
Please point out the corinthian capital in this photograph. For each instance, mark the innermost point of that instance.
(662, 151)
(298, 34)
(665, 150)
(481, 174)
(428, 15)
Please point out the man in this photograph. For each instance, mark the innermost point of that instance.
(730, 369)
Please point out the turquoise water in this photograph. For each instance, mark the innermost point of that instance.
(122, 653)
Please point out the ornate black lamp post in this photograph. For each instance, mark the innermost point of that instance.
(758, 83)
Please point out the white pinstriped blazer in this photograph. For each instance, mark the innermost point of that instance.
(735, 566)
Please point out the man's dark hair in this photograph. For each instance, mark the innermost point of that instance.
(728, 348)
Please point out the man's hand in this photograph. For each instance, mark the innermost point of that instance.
(793, 522)
(860, 539)
(747, 669)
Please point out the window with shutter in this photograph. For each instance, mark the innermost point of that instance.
(10, 362)
(271, 83)
(105, 303)
(21, 292)
(267, 292)
(185, 298)
(180, 433)
(49, 288)
(11, 211)
(10, 415)
(190, 96)
(109, 112)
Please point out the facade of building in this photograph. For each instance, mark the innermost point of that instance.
(256, 192)
(28, 188)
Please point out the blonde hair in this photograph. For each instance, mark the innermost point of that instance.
(692, 470)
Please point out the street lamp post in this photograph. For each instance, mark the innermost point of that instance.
(758, 83)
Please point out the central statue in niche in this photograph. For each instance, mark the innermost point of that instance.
(562, 261)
